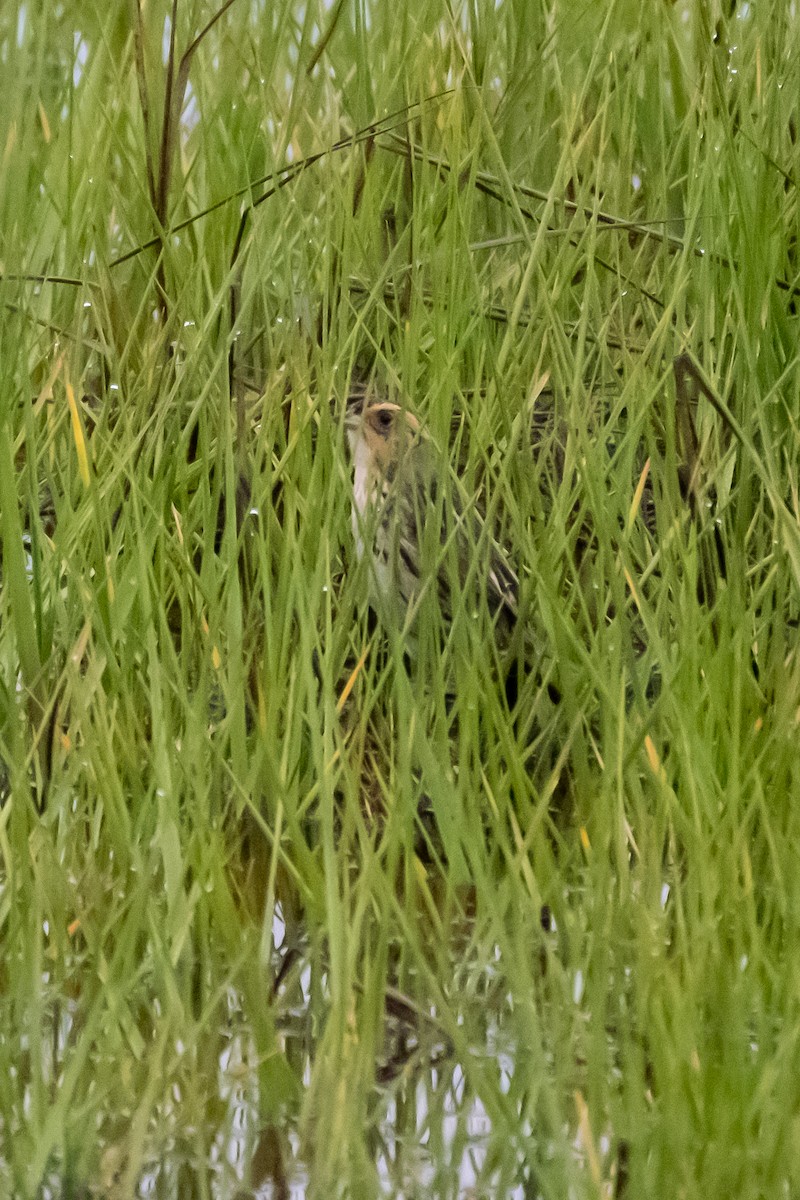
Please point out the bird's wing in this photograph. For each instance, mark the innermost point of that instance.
(463, 526)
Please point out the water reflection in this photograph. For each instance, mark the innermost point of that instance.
(427, 1130)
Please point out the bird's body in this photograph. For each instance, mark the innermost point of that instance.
(415, 528)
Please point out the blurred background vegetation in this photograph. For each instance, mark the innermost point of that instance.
(281, 915)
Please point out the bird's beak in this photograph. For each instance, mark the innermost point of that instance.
(353, 417)
(354, 410)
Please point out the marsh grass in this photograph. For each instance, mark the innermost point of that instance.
(271, 902)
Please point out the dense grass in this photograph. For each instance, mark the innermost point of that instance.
(271, 904)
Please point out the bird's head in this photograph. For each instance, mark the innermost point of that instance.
(384, 430)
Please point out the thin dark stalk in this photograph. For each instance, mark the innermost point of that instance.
(177, 81)
(326, 37)
(165, 158)
(144, 103)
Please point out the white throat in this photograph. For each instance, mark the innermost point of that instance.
(361, 489)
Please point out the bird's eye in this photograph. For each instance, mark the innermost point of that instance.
(385, 418)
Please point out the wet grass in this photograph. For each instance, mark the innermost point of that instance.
(277, 911)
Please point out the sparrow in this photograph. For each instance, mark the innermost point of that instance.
(416, 527)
